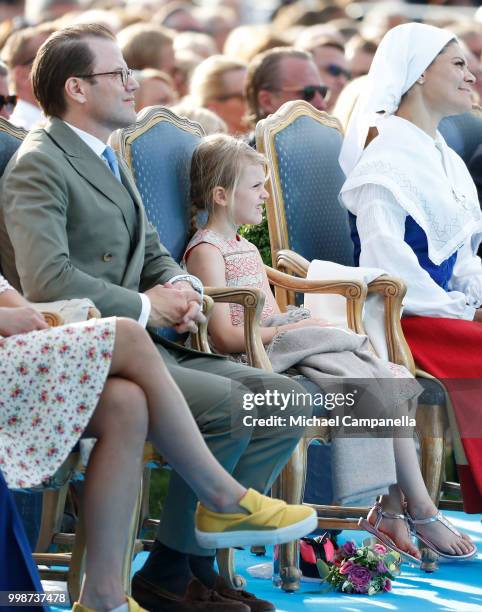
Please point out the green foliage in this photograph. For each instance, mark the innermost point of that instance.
(259, 236)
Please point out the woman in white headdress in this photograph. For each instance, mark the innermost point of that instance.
(414, 212)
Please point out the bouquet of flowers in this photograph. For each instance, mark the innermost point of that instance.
(367, 570)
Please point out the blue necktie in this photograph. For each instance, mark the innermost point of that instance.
(111, 159)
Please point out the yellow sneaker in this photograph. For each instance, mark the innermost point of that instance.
(269, 521)
(133, 607)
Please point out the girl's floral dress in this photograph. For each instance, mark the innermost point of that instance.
(50, 383)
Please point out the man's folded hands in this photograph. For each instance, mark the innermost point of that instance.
(177, 306)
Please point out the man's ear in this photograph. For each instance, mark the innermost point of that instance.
(220, 196)
(266, 102)
(75, 89)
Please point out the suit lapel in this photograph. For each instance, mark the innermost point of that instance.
(93, 169)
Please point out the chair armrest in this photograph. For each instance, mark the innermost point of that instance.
(52, 318)
(199, 340)
(252, 300)
(352, 290)
(291, 262)
(393, 291)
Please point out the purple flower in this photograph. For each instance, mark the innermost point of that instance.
(349, 548)
(359, 576)
(387, 585)
(381, 568)
(345, 568)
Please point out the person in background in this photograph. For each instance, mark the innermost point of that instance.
(156, 88)
(218, 84)
(147, 45)
(18, 54)
(329, 56)
(7, 100)
(277, 76)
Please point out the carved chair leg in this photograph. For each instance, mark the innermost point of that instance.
(430, 428)
(431, 425)
(131, 540)
(76, 571)
(53, 504)
(144, 508)
(290, 487)
(226, 568)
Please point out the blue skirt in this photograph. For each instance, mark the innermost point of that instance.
(18, 571)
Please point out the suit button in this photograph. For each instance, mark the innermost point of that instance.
(107, 257)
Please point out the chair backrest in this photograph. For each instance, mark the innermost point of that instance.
(10, 139)
(463, 133)
(302, 147)
(158, 149)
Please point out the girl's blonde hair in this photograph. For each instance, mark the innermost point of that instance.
(218, 161)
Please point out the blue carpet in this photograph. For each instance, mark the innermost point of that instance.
(455, 587)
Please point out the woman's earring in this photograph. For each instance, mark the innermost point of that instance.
(421, 81)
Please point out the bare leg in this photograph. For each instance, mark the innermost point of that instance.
(419, 504)
(136, 358)
(411, 488)
(111, 485)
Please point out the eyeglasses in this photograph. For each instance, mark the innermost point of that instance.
(8, 101)
(125, 74)
(308, 92)
(335, 71)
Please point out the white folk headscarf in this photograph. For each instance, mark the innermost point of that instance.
(402, 56)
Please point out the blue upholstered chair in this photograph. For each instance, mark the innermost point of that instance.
(158, 150)
(463, 133)
(11, 138)
(306, 221)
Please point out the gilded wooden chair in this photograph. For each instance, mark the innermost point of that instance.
(306, 222)
(158, 149)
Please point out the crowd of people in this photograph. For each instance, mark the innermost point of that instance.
(72, 225)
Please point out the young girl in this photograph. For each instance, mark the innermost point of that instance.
(228, 179)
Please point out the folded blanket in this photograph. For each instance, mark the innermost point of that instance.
(333, 357)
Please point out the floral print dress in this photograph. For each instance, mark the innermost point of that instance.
(50, 383)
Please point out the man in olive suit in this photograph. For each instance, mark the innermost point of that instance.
(73, 226)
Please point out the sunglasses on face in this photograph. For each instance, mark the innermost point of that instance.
(308, 92)
(335, 71)
(8, 101)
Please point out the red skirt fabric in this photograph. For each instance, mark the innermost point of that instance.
(451, 350)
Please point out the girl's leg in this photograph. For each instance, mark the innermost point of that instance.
(135, 358)
(419, 503)
(411, 488)
(112, 480)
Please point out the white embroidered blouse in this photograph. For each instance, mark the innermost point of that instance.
(381, 227)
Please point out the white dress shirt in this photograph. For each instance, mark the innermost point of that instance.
(26, 115)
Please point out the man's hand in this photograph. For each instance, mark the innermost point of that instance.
(20, 321)
(177, 306)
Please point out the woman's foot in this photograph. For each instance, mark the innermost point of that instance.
(388, 518)
(438, 533)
